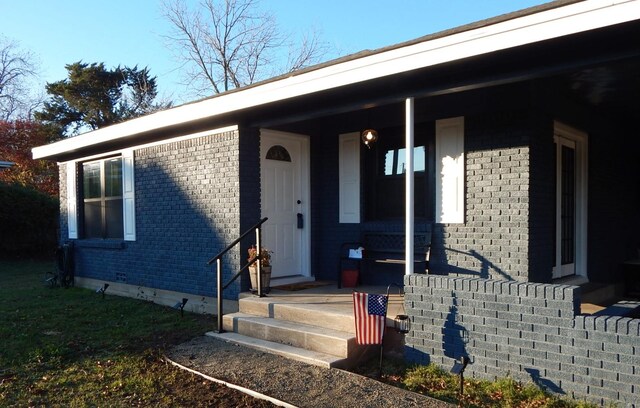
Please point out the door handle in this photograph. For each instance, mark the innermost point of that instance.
(300, 221)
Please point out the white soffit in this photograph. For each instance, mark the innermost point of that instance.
(541, 26)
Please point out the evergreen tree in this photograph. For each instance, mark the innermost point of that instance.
(93, 97)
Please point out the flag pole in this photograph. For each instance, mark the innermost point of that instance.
(384, 328)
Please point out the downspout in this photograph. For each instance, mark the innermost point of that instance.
(409, 186)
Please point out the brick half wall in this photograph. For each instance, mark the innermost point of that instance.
(528, 331)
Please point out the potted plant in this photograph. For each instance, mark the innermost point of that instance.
(265, 259)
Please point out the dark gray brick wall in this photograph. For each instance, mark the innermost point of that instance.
(542, 200)
(614, 199)
(613, 187)
(528, 331)
(494, 240)
(187, 210)
(250, 209)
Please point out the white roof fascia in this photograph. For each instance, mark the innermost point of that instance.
(210, 132)
(528, 29)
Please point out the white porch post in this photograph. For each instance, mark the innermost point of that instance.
(409, 188)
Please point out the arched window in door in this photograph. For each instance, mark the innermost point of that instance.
(279, 153)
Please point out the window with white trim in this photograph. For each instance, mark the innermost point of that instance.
(102, 199)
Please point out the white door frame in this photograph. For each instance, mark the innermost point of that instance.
(305, 194)
(568, 136)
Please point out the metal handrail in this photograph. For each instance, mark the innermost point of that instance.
(234, 243)
(218, 260)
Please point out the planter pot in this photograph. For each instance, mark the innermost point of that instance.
(266, 278)
(349, 278)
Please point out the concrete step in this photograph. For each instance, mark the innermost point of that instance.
(314, 338)
(294, 353)
(329, 315)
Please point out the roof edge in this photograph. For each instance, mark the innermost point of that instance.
(535, 24)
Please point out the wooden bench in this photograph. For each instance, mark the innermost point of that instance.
(386, 248)
(631, 275)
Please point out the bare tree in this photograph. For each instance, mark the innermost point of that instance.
(227, 44)
(16, 70)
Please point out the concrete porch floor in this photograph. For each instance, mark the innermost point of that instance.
(596, 298)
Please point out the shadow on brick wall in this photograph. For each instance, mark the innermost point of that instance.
(543, 383)
(487, 269)
(454, 335)
(187, 210)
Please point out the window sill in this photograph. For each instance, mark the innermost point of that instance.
(100, 243)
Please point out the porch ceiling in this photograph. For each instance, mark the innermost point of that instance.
(610, 87)
(600, 69)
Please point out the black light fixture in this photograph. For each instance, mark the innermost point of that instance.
(402, 324)
(458, 369)
(369, 136)
(180, 305)
(102, 289)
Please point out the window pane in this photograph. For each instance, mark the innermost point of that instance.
(91, 179)
(113, 177)
(418, 160)
(114, 227)
(278, 152)
(388, 162)
(93, 219)
(399, 156)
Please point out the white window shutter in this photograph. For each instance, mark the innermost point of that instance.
(128, 195)
(450, 170)
(72, 201)
(349, 177)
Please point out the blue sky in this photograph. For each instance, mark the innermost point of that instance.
(130, 32)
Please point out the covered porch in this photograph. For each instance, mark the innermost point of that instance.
(519, 114)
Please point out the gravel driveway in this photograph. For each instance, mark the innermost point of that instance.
(296, 383)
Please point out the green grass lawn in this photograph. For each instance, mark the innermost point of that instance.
(72, 347)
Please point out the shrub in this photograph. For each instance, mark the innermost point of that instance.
(28, 222)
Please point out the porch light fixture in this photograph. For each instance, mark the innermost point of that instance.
(402, 324)
(369, 136)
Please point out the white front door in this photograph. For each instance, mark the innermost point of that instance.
(571, 202)
(284, 159)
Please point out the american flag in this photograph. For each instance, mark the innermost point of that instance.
(371, 314)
